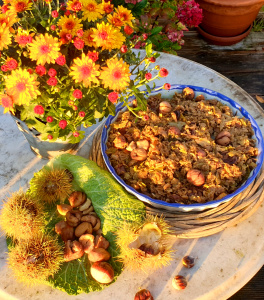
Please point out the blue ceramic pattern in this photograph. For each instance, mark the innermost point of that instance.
(192, 207)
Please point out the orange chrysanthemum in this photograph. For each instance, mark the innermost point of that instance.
(74, 5)
(85, 70)
(70, 24)
(22, 86)
(44, 49)
(116, 75)
(5, 37)
(92, 10)
(125, 15)
(7, 102)
(20, 5)
(115, 20)
(9, 18)
(87, 37)
(108, 7)
(107, 37)
(23, 37)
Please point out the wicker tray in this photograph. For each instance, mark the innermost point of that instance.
(205, 223)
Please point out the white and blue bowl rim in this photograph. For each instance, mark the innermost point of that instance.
(191, 207)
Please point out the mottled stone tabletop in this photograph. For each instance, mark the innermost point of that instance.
(224, 262)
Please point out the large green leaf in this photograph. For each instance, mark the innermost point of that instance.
(112, 204)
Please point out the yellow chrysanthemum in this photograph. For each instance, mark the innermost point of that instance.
(9, 18)
(85, 70)
(7, 102)
(5, 37)
(44, 49)
(116, 75)
(87, 37)
(70, 24)
(20, 5)
(92, 10)
(22, 86)
(125, 15)
(107, 37)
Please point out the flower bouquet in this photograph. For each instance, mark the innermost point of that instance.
(64, 65)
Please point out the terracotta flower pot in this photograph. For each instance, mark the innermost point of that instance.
(228, 18)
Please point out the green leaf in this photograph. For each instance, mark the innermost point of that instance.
(176, 46)
(43, 23)
(111, 203)
(148, 49)
(148, 88)
(141, 101)
(142, 4)
(156, 30)
(111, 109)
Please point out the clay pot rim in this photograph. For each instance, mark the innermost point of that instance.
(222, 40)
(226, 3)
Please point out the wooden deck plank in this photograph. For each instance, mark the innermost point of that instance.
(242, 63)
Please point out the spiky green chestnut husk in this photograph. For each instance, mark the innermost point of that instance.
(51, 185)
(145, 247)
(34, 261)
(21, 216)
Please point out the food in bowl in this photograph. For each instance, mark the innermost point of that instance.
(185, 150)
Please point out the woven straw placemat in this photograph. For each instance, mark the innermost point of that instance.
(204, 223)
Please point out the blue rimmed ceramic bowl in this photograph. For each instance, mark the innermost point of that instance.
(208, 94)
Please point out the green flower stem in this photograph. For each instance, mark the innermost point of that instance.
(66, 66)
(36, 7)
(142, 82)
(131, 110)
(138, 65)
(49, 10)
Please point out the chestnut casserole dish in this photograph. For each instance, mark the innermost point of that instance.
(183, 150)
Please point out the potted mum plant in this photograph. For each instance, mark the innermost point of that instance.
(67, 65)
(163, 23)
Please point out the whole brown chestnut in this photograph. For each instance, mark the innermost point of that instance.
(77, 198)
(201, 153)
(179, 282)
(99, 254)
(188, 261)
(199, 98)
(102, 272)
(188, 93)
(165, 107)
(195, 177)
(223, 138)
(143, 295)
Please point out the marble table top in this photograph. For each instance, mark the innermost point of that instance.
(224, 262)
